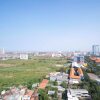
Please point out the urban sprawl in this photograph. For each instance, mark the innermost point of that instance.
(77, 79)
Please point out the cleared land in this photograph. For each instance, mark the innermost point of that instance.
(16, 72)
(6, 65)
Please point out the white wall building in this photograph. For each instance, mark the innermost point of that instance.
(56, 55)
(24, 56)
(75, 94)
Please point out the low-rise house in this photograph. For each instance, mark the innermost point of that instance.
(75, 94)
(74, 81)
(19, 94)
(59, 82)
(28, 95)
(25, 97)
(60, 88)
(96, 60)
(53, 78)
(51, 92)
(59, 77)
(43, 84)
(13, 94)
(35, 85)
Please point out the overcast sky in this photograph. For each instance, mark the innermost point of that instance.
(48, 25)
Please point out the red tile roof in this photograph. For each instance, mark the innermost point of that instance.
(43, 84)
(29, 93)
(93, 58)
(97, 60)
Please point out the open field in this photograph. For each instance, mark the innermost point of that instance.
(23, 71)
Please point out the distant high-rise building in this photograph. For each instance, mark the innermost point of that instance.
(2, 51)
(96, 50)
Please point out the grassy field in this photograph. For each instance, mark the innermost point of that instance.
(16, 72)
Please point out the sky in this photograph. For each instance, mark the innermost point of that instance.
(49, 25)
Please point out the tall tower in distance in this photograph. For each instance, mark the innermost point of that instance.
(96, 50)
(2, 51)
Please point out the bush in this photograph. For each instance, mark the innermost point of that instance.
(55, 83)
(64, 85)
(43, 95)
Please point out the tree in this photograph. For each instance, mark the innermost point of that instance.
(62, 69)
(55, 83)
(92, 87)
(43, 95)
(64, 85)
(29, 84)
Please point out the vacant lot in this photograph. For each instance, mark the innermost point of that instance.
(16, 72)
(6, 65)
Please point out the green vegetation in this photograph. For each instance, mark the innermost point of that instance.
(64, 85)
(92, 67)
(55, 83)
(64, 69)
(43, 95)
(25, 72)
(97, 72)
(91, 86)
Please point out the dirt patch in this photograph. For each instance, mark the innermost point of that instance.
(58, 65)
(6, 65)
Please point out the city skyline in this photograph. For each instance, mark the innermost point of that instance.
(54, 25)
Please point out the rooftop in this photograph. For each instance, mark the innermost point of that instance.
(96, 59)
(43, 84)
(75, 94)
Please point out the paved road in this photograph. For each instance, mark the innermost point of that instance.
(93, 76)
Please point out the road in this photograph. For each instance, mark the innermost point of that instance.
(93, 76)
